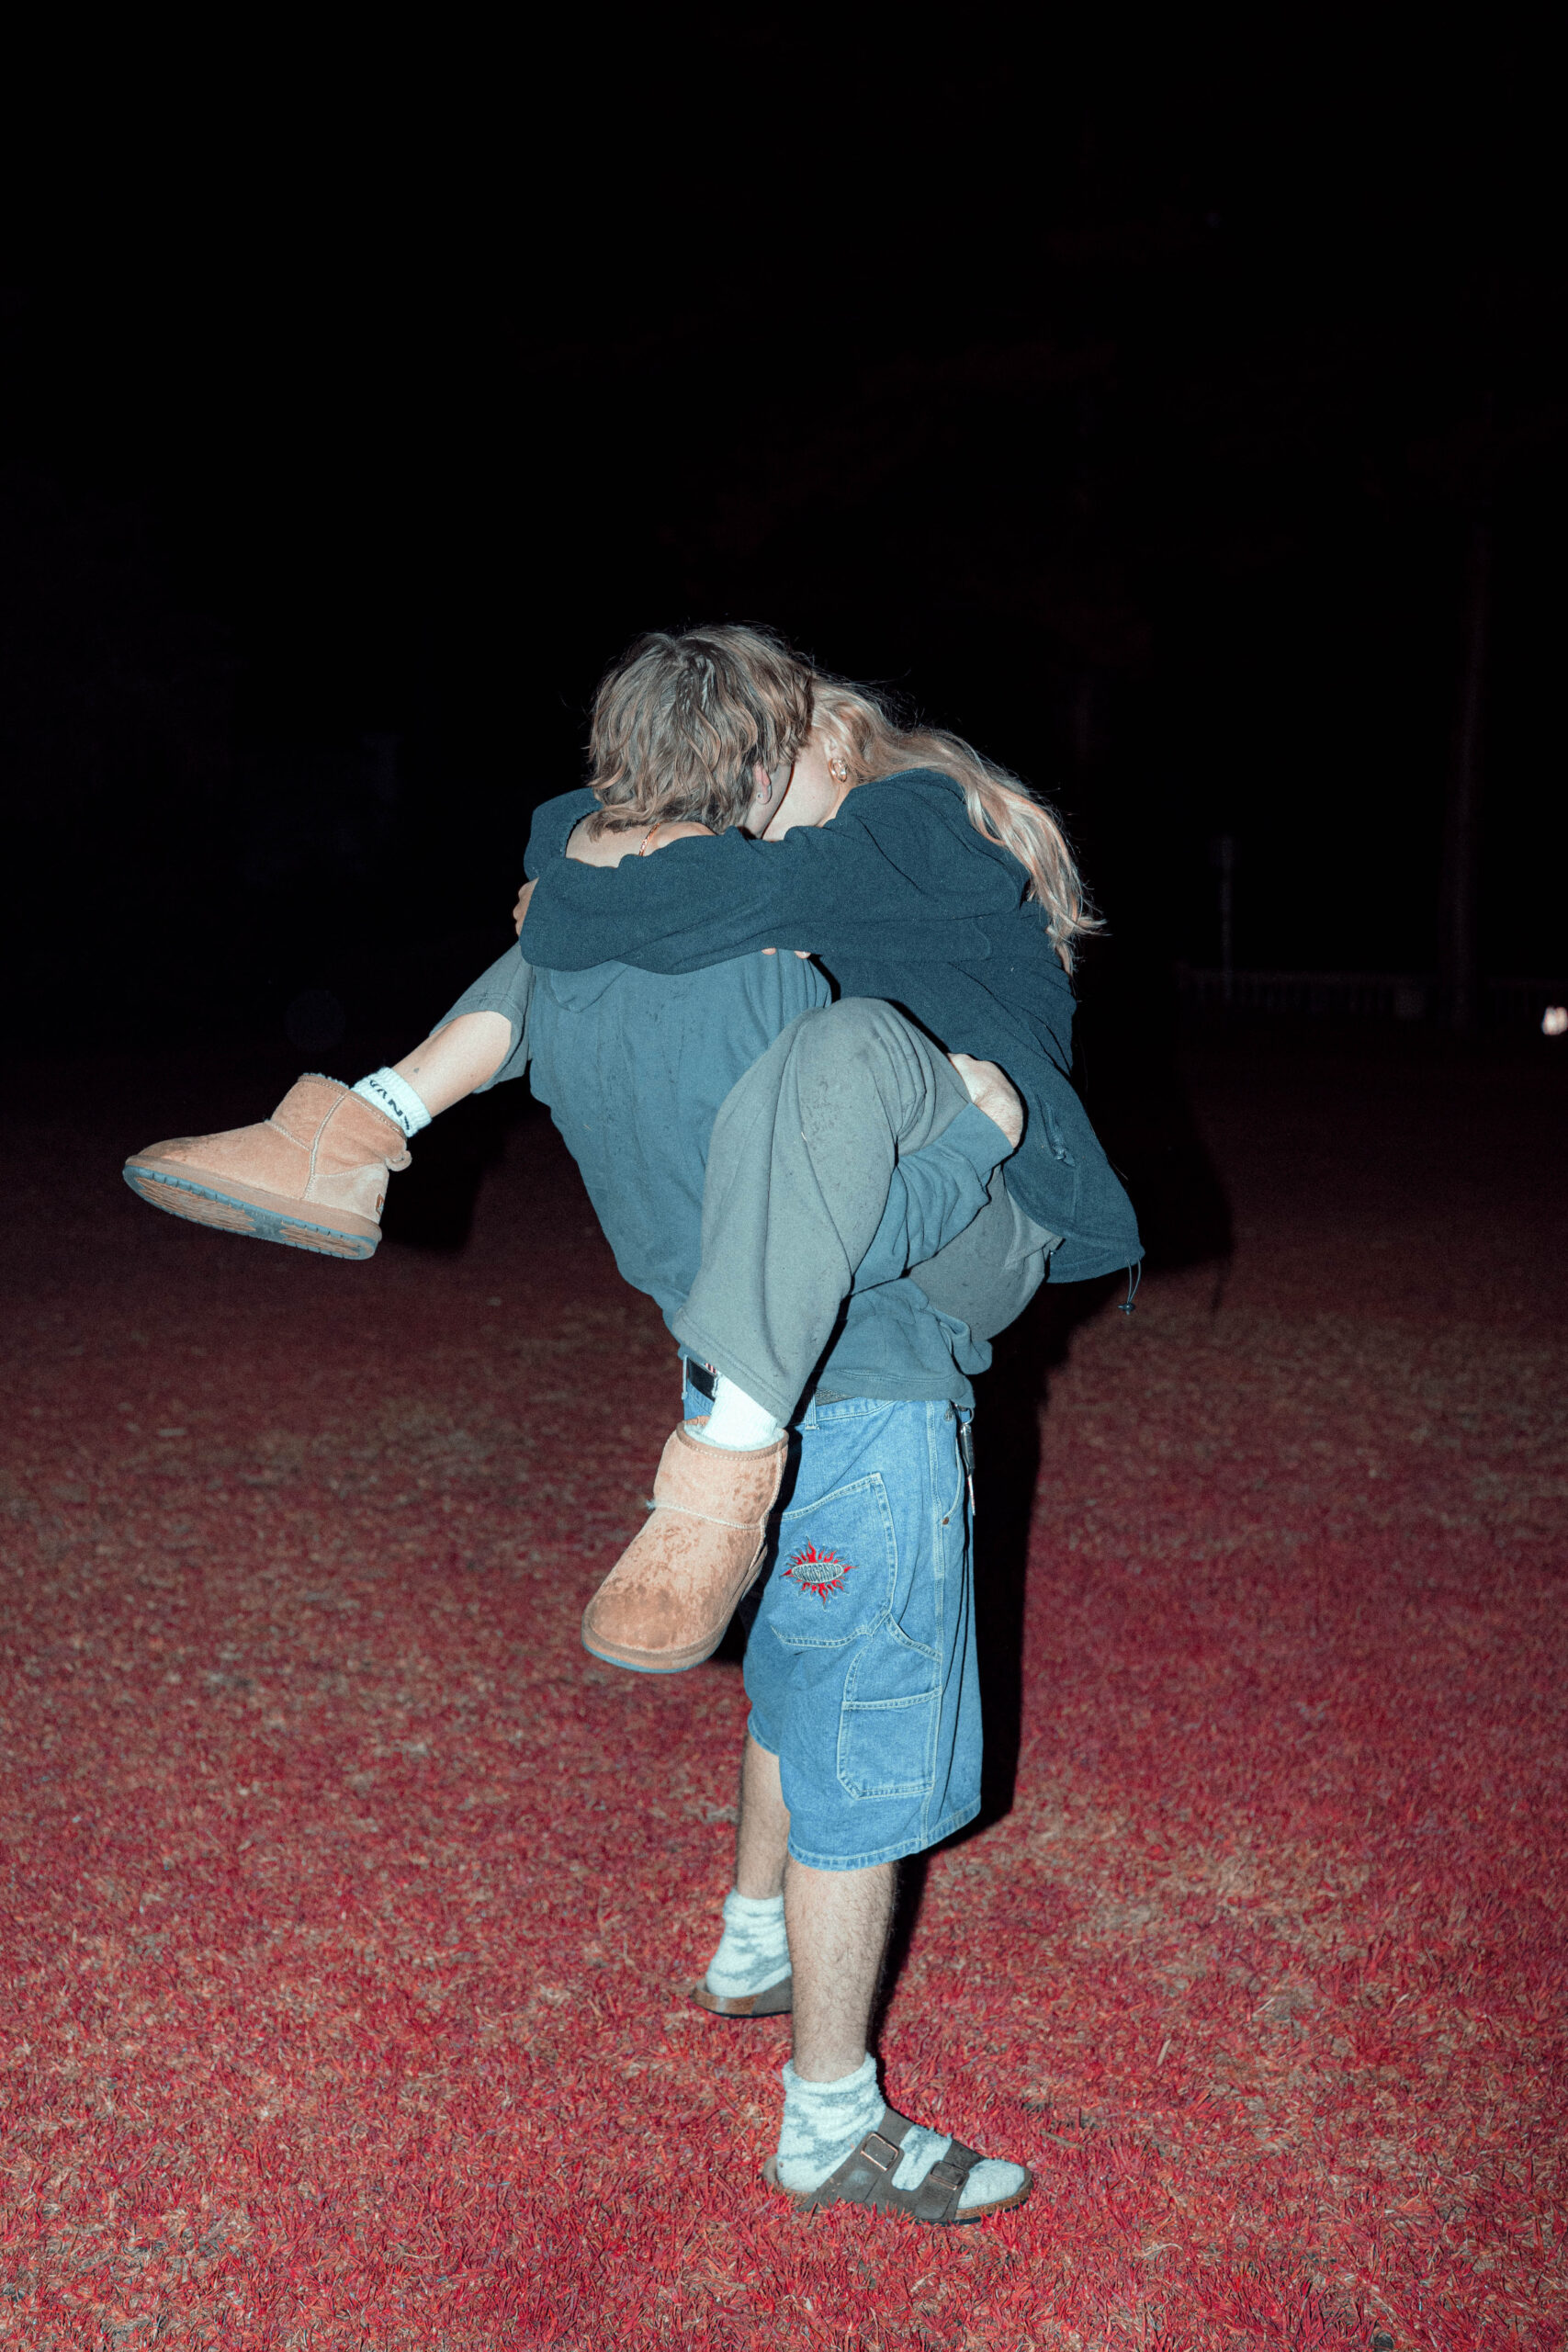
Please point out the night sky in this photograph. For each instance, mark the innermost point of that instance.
(1131, 410)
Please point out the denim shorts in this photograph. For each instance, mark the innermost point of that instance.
(859, 1665)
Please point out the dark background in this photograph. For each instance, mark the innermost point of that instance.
(1134, 408)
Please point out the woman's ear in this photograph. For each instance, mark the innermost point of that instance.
(761, 781)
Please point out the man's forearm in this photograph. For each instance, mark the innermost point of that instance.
(934, 1195)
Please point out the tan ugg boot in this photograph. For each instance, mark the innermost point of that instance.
(314, 1176)
(667, 1600)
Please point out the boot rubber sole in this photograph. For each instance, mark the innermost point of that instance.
(679, 1661)
(247, 1211)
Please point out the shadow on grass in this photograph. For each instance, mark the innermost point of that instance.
(431, 1204)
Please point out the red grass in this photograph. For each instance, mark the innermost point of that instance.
(350, 1903)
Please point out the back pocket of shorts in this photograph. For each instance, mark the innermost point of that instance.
(836, 1570)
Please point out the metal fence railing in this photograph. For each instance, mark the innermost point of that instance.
(1376, 995)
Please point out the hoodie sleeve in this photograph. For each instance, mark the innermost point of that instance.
(835, 888)
(554, 824)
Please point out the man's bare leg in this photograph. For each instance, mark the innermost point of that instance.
(838, 1934)
(749, 1975)
(838, 1923)
(761, 1842)
(456, 1059)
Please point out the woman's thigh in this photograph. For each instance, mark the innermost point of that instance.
(987, 1276)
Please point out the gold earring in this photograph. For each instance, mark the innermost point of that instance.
(838, 767)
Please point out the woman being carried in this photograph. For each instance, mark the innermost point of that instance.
(941, 896)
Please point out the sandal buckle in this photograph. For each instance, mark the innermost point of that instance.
(882, 2164)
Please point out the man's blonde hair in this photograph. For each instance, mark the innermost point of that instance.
(680, 723)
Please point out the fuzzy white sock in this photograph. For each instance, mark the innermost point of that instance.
(736, 1422)
(823, 2122)
(395, 1099)
(754, 1951)
(986, 2183)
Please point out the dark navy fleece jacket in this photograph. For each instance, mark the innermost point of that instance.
(900, 897)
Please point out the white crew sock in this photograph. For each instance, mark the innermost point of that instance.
(395, 1098)
(754, 1951)
(736, 1422)
(825, 2122)
(984, 2183)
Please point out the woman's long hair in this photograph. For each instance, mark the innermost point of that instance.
(874, 743)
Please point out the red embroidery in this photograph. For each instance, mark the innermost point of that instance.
(831, 1572)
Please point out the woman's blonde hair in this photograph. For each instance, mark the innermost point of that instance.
(873, 743)
(680, 723)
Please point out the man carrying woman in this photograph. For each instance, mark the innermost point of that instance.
(833, 1289)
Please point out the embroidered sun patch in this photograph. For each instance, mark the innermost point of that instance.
(822, 1573)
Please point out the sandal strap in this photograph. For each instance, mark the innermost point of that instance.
(950, 2173)
(865, 2176)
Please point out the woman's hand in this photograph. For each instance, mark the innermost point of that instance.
(993, 1091)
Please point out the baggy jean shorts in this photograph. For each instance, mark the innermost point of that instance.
(859, 1665)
